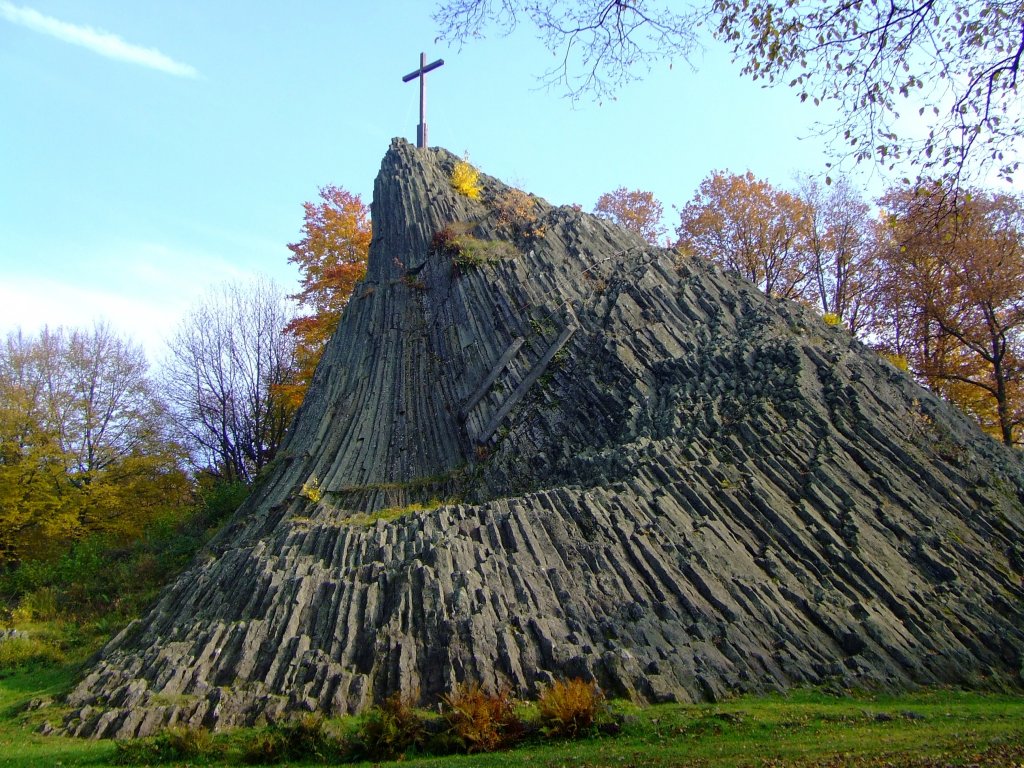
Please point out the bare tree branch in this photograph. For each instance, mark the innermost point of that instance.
(601, 44)
(226, 360)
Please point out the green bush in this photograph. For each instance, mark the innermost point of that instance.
(40, 604)
(304, 738)
(466, 250)
(171, 745)
(265, 748)
(100, 575)
(474, 252)
(220, 500)
(24, 650)
(388, 731)
(84, 563)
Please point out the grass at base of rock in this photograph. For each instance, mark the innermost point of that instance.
(21, 689)
(926, 729)
(806, 728)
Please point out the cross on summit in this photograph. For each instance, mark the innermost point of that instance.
(421, 73)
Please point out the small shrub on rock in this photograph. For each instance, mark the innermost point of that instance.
(900, 362)
(466, 251)
(480, 721)
(570, 708)
(311, 490)
(517, 216)
(445, 242)
(473, 252)
(466, 180)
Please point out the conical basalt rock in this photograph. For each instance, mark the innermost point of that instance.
(537, 447)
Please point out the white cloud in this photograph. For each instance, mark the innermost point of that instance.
(143, 289)
(30, 304)
(96, 40)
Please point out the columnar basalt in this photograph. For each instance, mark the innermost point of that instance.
(551, 450)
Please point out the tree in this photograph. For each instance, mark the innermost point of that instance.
(31, 465)
(840, 250)
(953, 62)
(226, 363)
(82, 445)
(100, 396)
(633, 209)
(953, 298)
(750, 228)
(598, 44)
(332, 257)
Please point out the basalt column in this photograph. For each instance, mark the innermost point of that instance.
(538, 447)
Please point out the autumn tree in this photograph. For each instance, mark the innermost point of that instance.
(953, 298)
(750, 228)
(840, 250)
(634, 209)
(82, 444)
(332, 258)
(32, 482)
(226, 365)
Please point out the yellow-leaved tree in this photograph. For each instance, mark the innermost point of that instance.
(82, 444)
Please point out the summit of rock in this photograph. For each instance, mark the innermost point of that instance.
(546, 449)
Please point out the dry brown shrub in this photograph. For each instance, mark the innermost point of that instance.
(517, 215)
(445, 241)
(482, 722)
(570, 707)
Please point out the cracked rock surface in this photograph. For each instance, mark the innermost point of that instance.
(576, 456)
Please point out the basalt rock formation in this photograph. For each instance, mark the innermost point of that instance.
(538, 447)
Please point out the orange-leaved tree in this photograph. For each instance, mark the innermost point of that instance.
(750, 228)
(633, 209)
(952, 298)
(332, 258)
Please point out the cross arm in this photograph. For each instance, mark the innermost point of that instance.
(423, 70)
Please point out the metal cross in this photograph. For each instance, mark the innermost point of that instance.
(421, 73)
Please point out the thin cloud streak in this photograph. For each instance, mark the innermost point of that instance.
(96, 40)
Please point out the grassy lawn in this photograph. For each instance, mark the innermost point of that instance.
(929, 728)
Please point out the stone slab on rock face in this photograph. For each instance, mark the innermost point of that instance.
(684, 489)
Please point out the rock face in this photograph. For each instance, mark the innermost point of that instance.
(651, 474)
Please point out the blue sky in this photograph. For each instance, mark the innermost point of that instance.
(151, 150)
